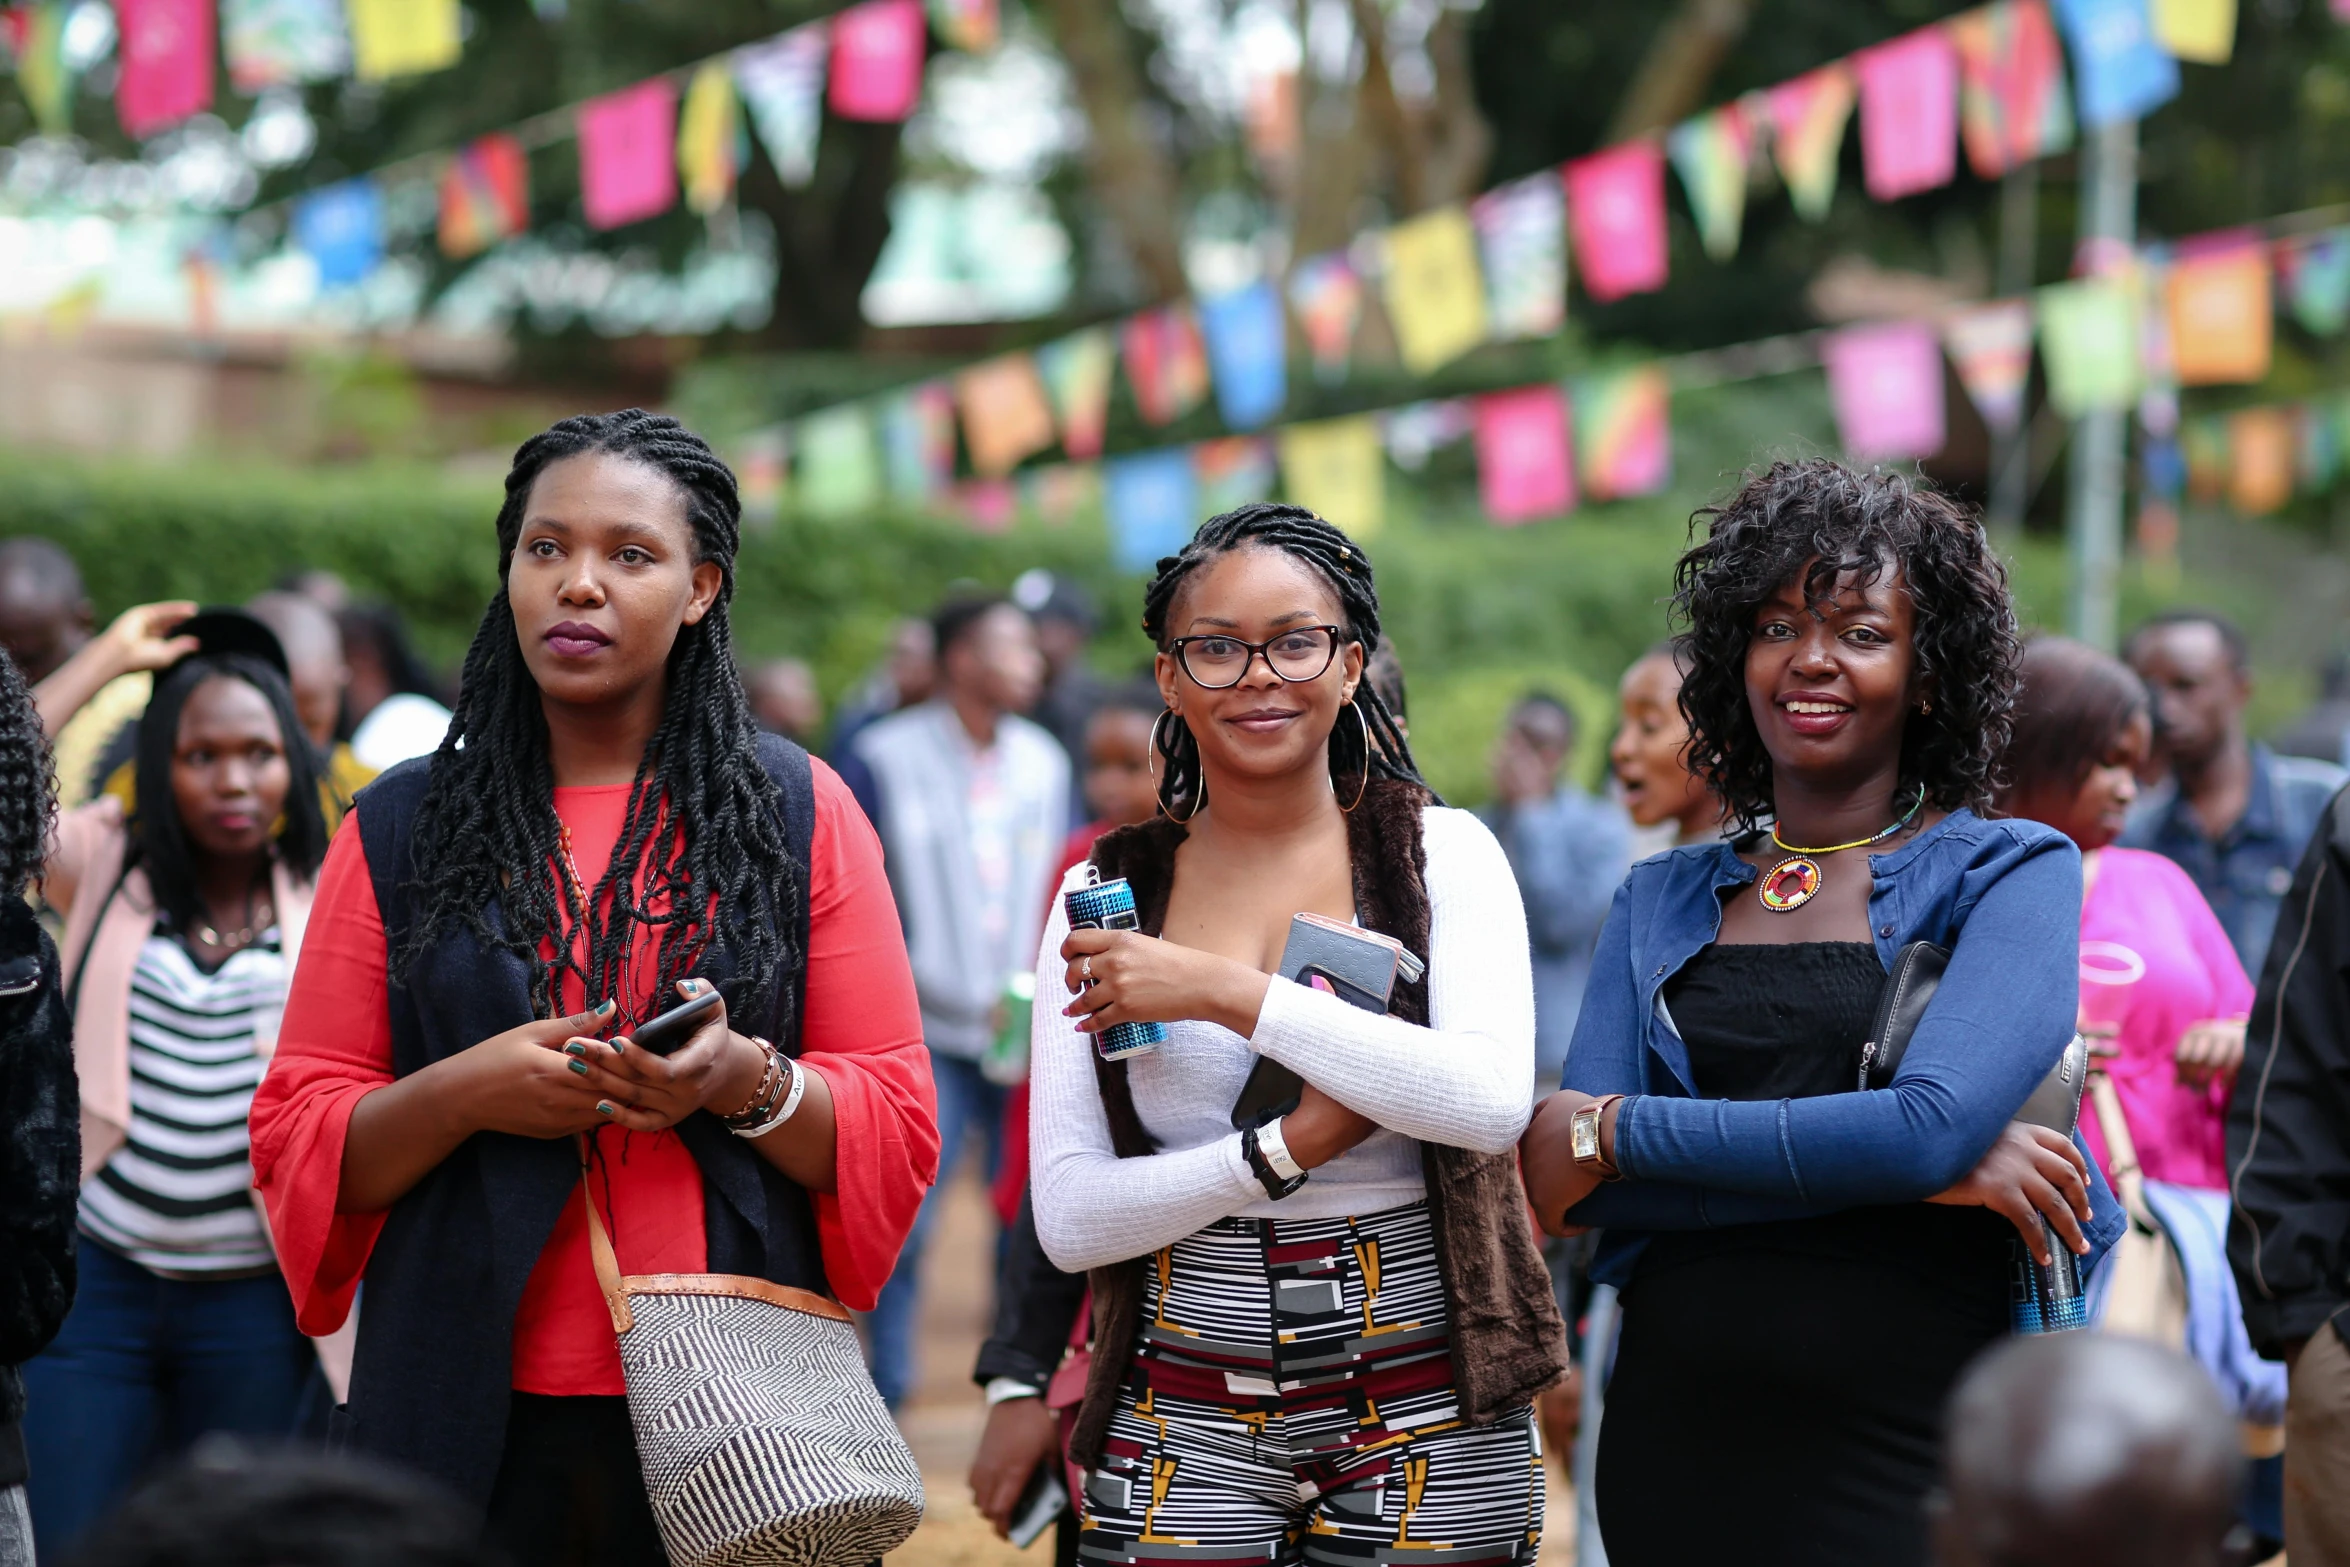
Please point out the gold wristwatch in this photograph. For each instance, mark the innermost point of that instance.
(1583, 1139)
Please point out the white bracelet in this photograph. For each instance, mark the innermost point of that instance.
(783, 1111)
(1276, 1151)
(1002, 1390)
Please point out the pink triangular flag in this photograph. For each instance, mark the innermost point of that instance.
(627, 154)
(1908, 113)
(877, 52)
(1886, 384)
(1616, 211)
(166, 63)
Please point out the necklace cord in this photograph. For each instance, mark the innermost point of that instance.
(1879, 836)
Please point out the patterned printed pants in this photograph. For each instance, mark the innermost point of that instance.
(1292, 1402)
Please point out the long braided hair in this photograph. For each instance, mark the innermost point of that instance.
(703, 823)
(1374, 749)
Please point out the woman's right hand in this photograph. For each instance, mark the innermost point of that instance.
(2030, 1173)
(522, 1081)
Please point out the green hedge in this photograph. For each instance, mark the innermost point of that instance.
(1478, 614)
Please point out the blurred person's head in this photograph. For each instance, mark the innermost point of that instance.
(315, 669)
(381, 661)
(224, 776)
(1063, 613)
(2088, 1450)
(987, 656)
(784, 698)
(229, 1506)
(2081, 733)
(45, 614)
(320, 586)
(1121, 783)
(1649, 754)
(28, 787)
(2198, 668)
(1385, 673)
(913, 661)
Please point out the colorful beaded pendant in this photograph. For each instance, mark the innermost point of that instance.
(1790, 884)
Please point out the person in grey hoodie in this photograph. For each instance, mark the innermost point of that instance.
(972, 803)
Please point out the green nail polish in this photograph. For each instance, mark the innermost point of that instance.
(580, 1067)
(575, 1048)
(603, 1107)
(615, 1044)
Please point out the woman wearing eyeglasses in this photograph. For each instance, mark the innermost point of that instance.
(1330, 1324)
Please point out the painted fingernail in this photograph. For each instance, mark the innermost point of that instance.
(617, 1043)
(577, 1047)
(578, 1066)
(604, 1107)
(606, 1005)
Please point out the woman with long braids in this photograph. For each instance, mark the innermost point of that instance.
(1805, 1267)
(1333, 1321)
(602, 832)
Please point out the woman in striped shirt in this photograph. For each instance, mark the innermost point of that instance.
(181, 925)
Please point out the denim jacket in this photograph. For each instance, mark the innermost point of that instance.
(2004, 896)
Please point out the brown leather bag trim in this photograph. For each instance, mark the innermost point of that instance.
(735, 1286)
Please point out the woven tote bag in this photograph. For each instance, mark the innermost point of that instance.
(762, 1438)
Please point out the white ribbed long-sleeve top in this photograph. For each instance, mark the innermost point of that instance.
(1466, 1080)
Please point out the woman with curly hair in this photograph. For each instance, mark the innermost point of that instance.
(40, 1149)
(1326, 1324)
(602, 831)
(1806, 1268)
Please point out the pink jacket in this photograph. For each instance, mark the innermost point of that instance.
(103, 936)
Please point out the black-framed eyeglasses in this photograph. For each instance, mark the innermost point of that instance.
(1217, 662)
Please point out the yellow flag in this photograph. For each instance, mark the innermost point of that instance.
(709, 132)
(1435, 288)
(403, 37)
(2203, 31)
(1334, 468)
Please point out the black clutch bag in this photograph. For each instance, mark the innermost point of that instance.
(1358, 966)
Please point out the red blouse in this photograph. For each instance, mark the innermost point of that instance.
(862, 1031)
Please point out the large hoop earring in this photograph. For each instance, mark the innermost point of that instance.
(1360, 788)
(1159, 785)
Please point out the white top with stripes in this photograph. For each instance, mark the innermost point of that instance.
(1466, 1080)
(177, 1197)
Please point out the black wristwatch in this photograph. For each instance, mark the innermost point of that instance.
(1277, 1185)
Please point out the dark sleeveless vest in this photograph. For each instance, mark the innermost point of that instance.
(1508, 1340)
(434, 1374)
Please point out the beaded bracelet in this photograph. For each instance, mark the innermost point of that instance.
(784, 1111)
(762, 1099)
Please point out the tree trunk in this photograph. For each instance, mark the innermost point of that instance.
(1681, 60)
(1129, 173)
(827, 236)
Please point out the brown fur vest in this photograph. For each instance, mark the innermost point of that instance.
(1508, 1342)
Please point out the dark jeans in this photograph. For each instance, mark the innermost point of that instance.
(570, 1492)
(143, 1367)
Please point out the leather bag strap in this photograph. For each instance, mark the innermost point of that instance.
(600, 1252)
(2129, 1180)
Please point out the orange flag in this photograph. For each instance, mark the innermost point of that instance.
(2221, 316)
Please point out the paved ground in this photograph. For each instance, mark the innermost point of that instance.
(943, 1419)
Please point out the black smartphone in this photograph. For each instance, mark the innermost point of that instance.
(1044, 1500)
(674, 1027)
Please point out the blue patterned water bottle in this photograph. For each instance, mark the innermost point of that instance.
(1109, 905)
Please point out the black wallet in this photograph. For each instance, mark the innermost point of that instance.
(1358, 966)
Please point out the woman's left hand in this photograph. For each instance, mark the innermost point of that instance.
(1546, 1160)
(715, 1069)
(2030, 1175)
(2210, 1052)
(1141, 979)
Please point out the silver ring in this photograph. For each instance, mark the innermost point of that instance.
(1085, 969)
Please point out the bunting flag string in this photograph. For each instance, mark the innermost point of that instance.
(404, 37)
(1808, 116)
(1711, 153)
(485, 196)
(2012, 102)
(1908, 113)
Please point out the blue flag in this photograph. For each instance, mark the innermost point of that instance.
(1248, 354)
(1150, 500)
(2119, 71)
(342, 230)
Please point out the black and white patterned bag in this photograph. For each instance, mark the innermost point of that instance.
(762, 1438)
